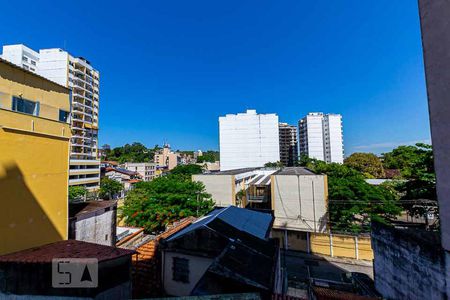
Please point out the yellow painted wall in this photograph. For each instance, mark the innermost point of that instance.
(34, 163)
(344, 246)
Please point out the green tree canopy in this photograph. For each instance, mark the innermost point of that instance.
(186, 170)
(353, 203)
(135, 152)
(157, 203)
(76, 192)
(277, 164)
(208, 156)
(367, 163)
(109, 188)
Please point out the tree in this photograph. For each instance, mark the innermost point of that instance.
(162, 201)
(277, 164)
(367, 163)
(76, 193)
(186, 170)
(135, 152)
(109, 188)
(416, 166)
(353, 203)
(208, 156)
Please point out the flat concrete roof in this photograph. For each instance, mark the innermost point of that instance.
(233, 172)
(295, 171)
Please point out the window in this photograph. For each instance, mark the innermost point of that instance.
(33, 62)
(25, 106)
(25, 67)
(32, 69)
(63, 116)
(24, 58)
(180, 269)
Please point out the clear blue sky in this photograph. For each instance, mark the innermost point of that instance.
(169, 69)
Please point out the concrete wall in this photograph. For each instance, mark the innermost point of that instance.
(197, 267)
(407, 267)
(221, 188)
(300, 202)
(34, 162)
(334, 245)
(98, 229)
(248, 140)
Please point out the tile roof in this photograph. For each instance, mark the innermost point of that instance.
(146, 263)
(330, 294)
(65, 249)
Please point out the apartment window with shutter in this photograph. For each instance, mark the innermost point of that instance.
(63, 116)
(25, 106)
(180, 269)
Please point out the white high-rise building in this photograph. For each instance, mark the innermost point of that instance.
(248, 140)
(21, 56)
(77, 74)
(320, 137)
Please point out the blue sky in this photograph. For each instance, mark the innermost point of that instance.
(170, 68)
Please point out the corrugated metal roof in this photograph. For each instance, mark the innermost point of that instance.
(249, 221)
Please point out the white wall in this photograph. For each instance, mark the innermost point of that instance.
(197, 267)
(219, 186)
(299, 202)
(53, 65)
(335, 152)
(248, 140)
(315, 137)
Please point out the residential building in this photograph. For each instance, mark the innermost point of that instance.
(147, 171)
(197, 153)
(288, 144)
(166, 157)
(210, 166)
(77, 74)
(27, 274)
(93, 222)
(320, 137)
(226, 251)
(125, 177)
(34, 159)
(248, 140)
(297, 196)
(21, 56)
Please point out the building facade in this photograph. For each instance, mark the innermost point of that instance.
(167, 158)
(146, 170)
(248, 140)
(83, 80)
(34, 159)
(288, 144)
(320, 137)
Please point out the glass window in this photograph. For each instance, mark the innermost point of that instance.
(63, 116)
(180, 268)
(25, 106)
(33, 62)
(24, 58)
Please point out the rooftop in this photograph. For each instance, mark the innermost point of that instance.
(295, 171)
(245, 220)
(84, 208)
(66, 249)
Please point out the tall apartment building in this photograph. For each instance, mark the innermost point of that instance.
(321, 138)
(248, 140)
(146, 170)
(288, 144)
(34, 159)
(83, 80)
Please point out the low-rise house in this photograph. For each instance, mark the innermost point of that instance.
(93, 222)
(226, 251)
(29, 274)
(124, 176)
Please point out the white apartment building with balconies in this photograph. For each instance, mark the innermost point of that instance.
(147, 170)
(320, 137)
(248, 140)
(77, 74)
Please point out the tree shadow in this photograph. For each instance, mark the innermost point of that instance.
(24, 223)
